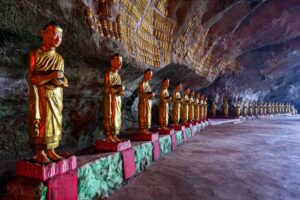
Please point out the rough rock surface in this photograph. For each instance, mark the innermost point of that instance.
(233, 47)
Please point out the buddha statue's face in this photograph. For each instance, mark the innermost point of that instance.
(148, 75)
(187, 91)
(52, 36)
(166, 83)
(179, 87)
(116, 63)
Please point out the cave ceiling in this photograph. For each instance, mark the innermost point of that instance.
(211, 37)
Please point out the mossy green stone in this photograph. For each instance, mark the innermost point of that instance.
(143, 156)
(195, 130)
(188, 132)
(100, 178)
(179, 137)
(165, 144)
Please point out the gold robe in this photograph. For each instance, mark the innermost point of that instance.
(255, 109)
(185, 108)
(163, 107)
(225, 109)
(176, 106)
(238, 110)
(250, 109)
(144, 106)
(196, 109)
(45, 102)
(265, 109)
(261, 109)
(191, 109)
(205, 110)
(244, 110)
(201, 110)
(112, 104)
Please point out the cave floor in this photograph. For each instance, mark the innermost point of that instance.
(257, 159)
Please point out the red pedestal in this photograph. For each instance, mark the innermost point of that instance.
(174, 143)
(112, 146)
(31, 169)
(179, 127)
(168, 131)
(145, 137)
(156, 150)
(64, 186)
(128, 163)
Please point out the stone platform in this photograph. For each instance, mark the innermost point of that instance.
(100, 174)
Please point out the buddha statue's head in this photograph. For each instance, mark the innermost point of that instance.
(148, 75)
(166, 83)
(52, 35)
(116, 62)
(178, 87)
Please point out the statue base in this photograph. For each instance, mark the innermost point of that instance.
(128, 163)
(169, 131)
(178, 127)
(156, 150)
(145, 137)
(31, 169)
(102, 145)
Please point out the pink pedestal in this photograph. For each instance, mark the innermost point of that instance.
(174, 143)
(145, 137)
(112, 146)
(128, 163)
(156, 150)
(31, 169)
(64, 186)
(166, 131)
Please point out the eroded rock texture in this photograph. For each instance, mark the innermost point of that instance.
(224, 48)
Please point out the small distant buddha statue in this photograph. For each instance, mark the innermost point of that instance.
(269, 108)
(46, 81)
(255, 108)
(276, 108)
(177, 103)
(213, 110)
(273, 108)
(261, 108)
(265, 108)
(238, 109)
(145, 102)
(191, 106)
(205, 108)
(201, 107)
(196, 107)
(163, 107)
(185, 106)
(244, 109)
(250, 108)
(225, 109)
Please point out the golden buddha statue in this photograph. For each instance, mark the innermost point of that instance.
(244, 109)
(276, 108)
(191, 106)
(177, 104)
(46, 81)
(273, 108)
(238, 109)
(265, 108)
(145, 102)
(201, 107)
(196, 108)
(113, 90)
(214, 110)
(205, 107)
(185, 106)
(255, 109)
(250, 108)
(225, 109)
(163, 106)
(261, 108)
(269, 108)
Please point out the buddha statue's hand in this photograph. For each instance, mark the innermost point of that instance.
(57, 74)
